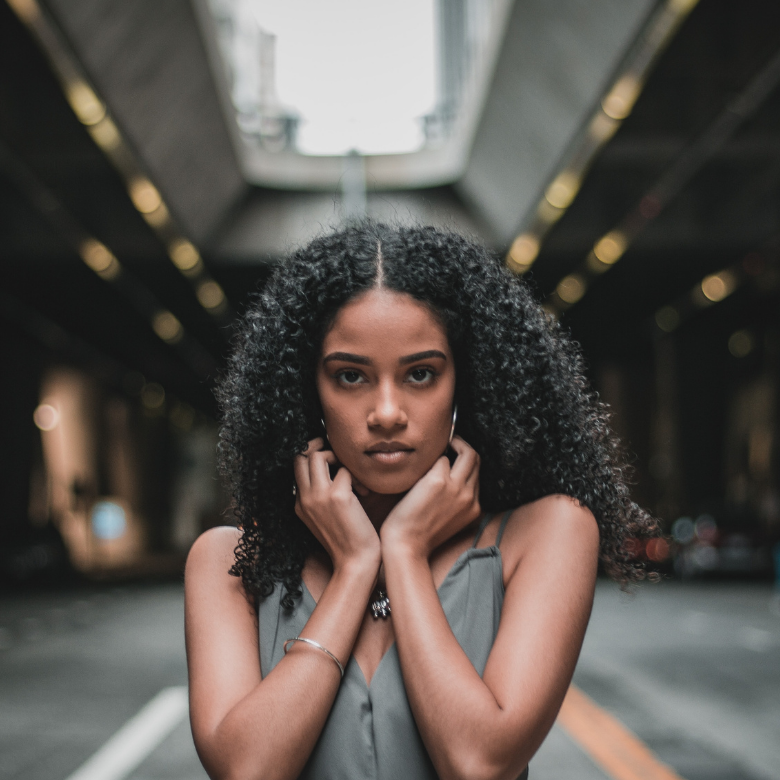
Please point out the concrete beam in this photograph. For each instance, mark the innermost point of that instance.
(270, 223)
(556, 62)
(149, 64)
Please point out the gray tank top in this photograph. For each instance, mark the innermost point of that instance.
(370, 732)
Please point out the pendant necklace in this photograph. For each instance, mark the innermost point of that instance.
(380, 604)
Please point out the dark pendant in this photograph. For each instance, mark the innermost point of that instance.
(380, 606)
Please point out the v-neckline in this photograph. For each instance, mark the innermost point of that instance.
(492, 549)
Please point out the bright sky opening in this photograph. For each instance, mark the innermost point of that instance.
(360, 74)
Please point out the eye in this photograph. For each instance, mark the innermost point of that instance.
(421, 376)
(349, 377)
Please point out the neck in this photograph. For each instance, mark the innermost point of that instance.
(378, 506)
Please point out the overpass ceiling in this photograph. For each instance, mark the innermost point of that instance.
(162, 93)
(706, 131)
(401, 84)
(522, 76)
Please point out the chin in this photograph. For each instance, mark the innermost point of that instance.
(388, 482)
(389, 486)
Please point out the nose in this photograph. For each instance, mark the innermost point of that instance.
(387, 411)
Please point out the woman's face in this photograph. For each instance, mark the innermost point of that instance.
(386, 381)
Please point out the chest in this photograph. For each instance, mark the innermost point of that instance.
(376, 635)
(471, 595)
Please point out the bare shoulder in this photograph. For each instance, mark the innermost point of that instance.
(558, 508)
(556, 529)
(216, 607)
(220, 627)
(210, 559)
(215, 544)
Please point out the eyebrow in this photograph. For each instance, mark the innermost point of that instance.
(362, 360)
(429, 353)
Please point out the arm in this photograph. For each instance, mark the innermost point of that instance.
(246, 728)
(490, 727)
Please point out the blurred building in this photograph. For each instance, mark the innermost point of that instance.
(156, 160)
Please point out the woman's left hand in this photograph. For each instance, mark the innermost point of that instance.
(440, 504)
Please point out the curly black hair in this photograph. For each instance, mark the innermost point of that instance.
(523, 401)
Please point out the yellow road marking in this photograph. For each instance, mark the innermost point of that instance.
(608, 742)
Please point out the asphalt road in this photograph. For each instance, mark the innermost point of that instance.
(692, 670)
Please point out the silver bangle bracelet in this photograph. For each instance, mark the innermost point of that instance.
(313, 644)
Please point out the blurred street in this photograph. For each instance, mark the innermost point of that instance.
(76, 666)
(693, 670)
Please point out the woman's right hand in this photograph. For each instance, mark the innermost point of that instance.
(331, 510)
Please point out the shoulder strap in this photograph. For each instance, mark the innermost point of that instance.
(502, 527)
(482, 526)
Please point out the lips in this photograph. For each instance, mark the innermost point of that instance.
(389, 453)
(389, 446)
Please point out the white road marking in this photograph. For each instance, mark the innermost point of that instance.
(137, 738)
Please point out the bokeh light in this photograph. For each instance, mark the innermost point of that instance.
(153, 396)
(621, 98)
(706, 528)
(667, 318)
(610, 248)
(523, 252)
(46, 417)
(108, 520)
(683, 530)
(210, 294)
(167, 327)
(657, 550)
(741, 343)
(571, 288)
(183, 254)
(85, 103)
(718, 286)
(563, 189)
(144, 195)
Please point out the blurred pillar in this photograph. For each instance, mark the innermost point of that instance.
(68, 434)
(92, 484)
(751, 443)
(665, 466)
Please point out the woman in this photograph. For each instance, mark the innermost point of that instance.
(424, 486)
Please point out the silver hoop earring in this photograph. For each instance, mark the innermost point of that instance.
(454, 420)
(322, 420)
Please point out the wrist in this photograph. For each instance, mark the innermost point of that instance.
(396, 544)
(359, 566)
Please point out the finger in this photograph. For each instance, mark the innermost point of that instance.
(301, 471)
(314, 446)
(301, 464)
(466, 459)
(472, 481)
(343, 479)
(441, 467)
(460, 446)
(319, 473)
